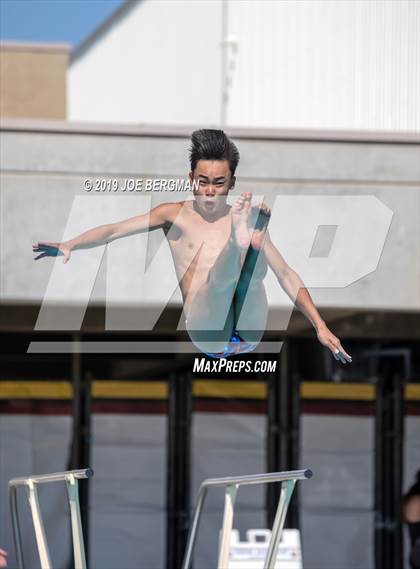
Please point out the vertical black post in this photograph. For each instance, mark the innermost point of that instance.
(80, 448)
(179, 467)
(389, 432)
(393, 368)
(283, 436)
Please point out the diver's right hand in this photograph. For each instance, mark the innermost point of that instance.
(49, 249)
(3, 558)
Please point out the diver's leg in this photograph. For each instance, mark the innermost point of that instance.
(209, 316)
(250, 301)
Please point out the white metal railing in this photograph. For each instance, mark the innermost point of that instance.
(231, 485)
(71, 478)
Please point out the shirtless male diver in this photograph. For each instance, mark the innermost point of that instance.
(220, 253)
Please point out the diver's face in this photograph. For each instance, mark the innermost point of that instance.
(215, 180)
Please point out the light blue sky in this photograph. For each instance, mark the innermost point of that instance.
(68, 21)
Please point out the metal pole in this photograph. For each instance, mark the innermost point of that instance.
(285, 496)
(54, 477)
(393, 368)
(283, 430)
(76, 523)
(230, 481)
(230, 497)
(44, 555)
(30, 483)
(16, 528)
(179, 466)
(194, 528)
(388, 472)
(81, 412)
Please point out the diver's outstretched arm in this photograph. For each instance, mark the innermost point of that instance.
(295, 288)
(157, 217)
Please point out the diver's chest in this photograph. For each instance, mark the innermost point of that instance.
(208, 237)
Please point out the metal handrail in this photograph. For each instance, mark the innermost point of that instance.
(232, 483)
(54, 477)
(258, 478)
(71, 478)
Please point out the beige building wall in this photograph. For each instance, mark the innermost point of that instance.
(33, 80)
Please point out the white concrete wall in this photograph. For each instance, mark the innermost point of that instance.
(325, 64)
(306, 64)
(160, 63)
(44, 172)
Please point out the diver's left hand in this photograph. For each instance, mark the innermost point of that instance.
(327, 338)
(3, 558)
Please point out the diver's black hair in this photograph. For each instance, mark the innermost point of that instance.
(212, 144)
(415, 488)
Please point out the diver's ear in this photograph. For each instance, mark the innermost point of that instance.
(194, 184)
(191, 181)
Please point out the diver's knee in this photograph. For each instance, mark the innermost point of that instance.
(210, 347)
(251, 336)
(209, 341)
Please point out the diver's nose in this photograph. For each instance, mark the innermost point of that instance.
(210, 191)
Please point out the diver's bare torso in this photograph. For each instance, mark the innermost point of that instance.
(195, 244)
